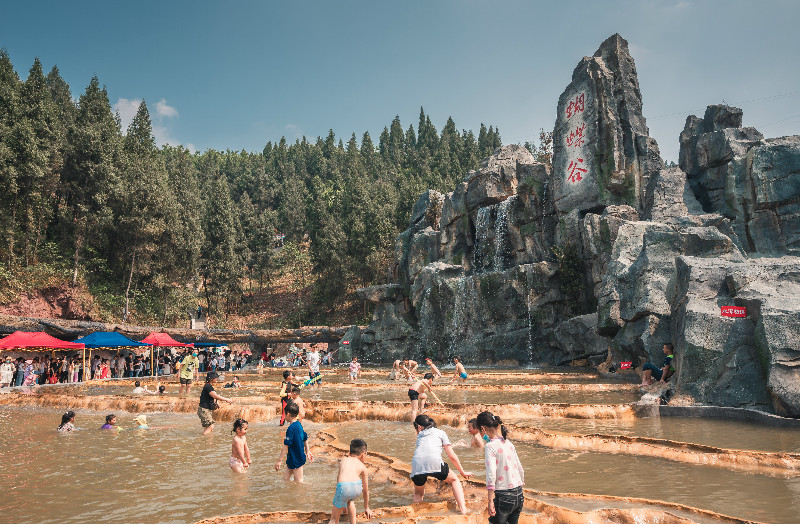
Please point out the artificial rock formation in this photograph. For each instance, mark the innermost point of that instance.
(608, 254)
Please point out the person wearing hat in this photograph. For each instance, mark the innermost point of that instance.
(142, 421)
(208, 403)
(6, 372)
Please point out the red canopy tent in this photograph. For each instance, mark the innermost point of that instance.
(38, 340)
(162, 340)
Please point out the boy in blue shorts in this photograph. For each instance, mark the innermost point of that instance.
(461, 373)
(351, 482)
(295, 446)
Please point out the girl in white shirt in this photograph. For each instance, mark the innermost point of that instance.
(504, 474)
(427, 461)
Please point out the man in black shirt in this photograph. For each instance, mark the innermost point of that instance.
(208, 403)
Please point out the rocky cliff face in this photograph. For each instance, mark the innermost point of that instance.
(607, 255)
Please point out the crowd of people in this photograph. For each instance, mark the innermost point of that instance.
(68, 369)
(504, 473)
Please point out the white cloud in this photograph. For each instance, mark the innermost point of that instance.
(162, 135)
(165, 110)
(127, 110)
(192, 149)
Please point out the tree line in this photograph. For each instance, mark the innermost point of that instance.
(117, 210)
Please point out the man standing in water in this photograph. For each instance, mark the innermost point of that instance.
(312, 361)
(208, 403)
(189, 366)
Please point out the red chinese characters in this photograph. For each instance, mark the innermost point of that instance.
(576, 106)
(575, 171)
(577, 138)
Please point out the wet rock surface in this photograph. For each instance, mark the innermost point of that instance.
(608, 254)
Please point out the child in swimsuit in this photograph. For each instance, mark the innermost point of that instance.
(351, 482)
(240, 453)
(461, 373)
(417, 395)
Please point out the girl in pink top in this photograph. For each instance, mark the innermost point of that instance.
(504, 474)
(355, 369)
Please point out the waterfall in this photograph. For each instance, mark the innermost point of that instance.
(481, 234)
(459, 320)
(501, 247)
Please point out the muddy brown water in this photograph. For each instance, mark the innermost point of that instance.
(398, 393)
(750, 496)
(720, 433)
(170, 475)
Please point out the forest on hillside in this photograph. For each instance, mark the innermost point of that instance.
(151, 232)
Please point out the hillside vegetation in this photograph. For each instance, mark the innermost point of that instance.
(143, 234)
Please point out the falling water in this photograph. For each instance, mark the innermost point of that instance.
(501, 247)
(481, 234)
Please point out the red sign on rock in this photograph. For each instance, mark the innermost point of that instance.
(734, 311)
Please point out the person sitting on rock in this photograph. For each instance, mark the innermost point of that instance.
(663, 374)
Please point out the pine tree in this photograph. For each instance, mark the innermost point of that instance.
(222, 265)
(9, 177)
(35, 142)
(91, 174)
(145, 206)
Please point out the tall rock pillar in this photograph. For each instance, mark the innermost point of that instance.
(602, 152)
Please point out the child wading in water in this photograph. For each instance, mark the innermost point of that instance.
(66, 422)
(351, 482)
(504, 474)
(240, 453)
(288, 381)
(461, 373)
(295, 446)
(111, 423)
(427, 461)
(475, 440)
(418, 396)
(355, 369)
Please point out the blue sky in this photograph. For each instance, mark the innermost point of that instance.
(234, 75)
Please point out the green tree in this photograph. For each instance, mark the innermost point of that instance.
(145, 206)
(91, 174)
(221, 266)
(34, 141)
(9, 176)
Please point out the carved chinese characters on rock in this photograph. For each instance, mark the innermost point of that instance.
(576, 106)
(574, 170)
(575, 137)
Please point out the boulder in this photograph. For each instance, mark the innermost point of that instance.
(739, 361)
(577, 338)
(428, 206)
(642, 265)
(598, 234)
(602, 152)
(497, 177)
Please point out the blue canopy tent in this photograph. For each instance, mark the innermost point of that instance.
(110, 340)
